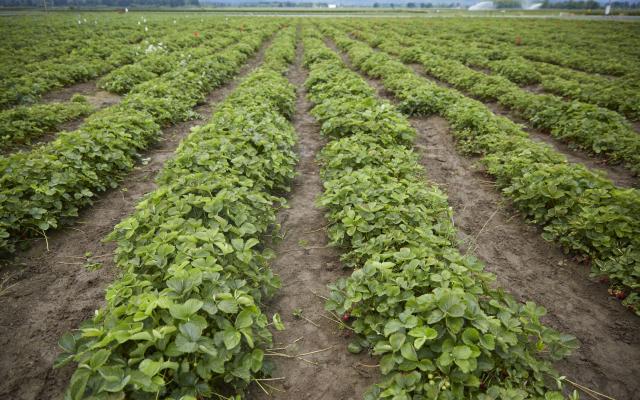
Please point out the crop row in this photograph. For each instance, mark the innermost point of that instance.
(95, 58)
(620, 95)
(23, 124)
(583, 125)
(163, 57)
(578, 209)
(30, 39)
(570, 44)
(430, 312)
(45, 187)
(46, 75)
(184, 321)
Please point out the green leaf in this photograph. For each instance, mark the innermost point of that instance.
(184, 311)
(487, 341)
(387, 363)
(185, 345)
(435, 316)
(461, 352)
(408, 352)
(424, 332)
(78, 384)
(191, 330)
(99, 358)
(397, 340)
(354, 347)
(244, 319)
(470, 336)
(231, 338)
(229, 306)
(392, 326)
(257, 356)
(150, 367)
(277, 322)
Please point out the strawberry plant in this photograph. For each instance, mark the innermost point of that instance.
(441, 328)
(46, 187)
(21, 125)
(576, 207)
(184, 321)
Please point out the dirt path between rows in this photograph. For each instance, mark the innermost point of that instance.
(47, 293)
(99, 99)
(619, 175)
(95, 96)
(332, 374)
(531, 268)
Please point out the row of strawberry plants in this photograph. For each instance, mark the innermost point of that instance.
(50, 74)
(163, 57)
(21, 125)
(609, 48)
(99, 56)
(185, 321)
(619, 95)
(589, 127)
(433, 315)
(27, 42)
(46, 187)
(580, 210)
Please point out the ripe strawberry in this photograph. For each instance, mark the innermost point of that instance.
(619, 294)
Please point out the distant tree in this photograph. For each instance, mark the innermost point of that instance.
(572, 5)
(376, 5)
(411, 5)
(624, 4)
(507, 4)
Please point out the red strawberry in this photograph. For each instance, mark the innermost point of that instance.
(620, 294)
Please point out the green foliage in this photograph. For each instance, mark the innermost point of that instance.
(432, 314)
(46, 187)
(22, 125)
(577, 208)
(184, 320)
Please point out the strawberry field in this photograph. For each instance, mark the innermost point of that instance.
(198, 206)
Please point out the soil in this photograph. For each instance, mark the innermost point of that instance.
(619, 175)
(532, 269)
(46, 291)
(334, 373)
(66, 93)
(95, 96)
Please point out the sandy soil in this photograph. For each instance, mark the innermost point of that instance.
(335, 373)
(532, 269)
(45, 293)
(618, 174)
(97, 98)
